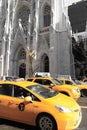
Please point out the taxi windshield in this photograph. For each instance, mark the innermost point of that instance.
(43, 91)
(57, 82)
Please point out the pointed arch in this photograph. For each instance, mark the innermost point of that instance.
(22, 54)
(23, 15)
(18, 59)
(45, 63)
(22, 70)
(21, 63)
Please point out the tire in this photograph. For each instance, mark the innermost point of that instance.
(84, 93)
(46, 122)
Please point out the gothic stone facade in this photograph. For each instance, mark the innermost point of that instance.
(35, 36)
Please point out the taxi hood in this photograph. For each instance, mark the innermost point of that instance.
(63, 100)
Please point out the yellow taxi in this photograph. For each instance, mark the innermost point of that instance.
(82, 87)
(37, 105)
(54, 84)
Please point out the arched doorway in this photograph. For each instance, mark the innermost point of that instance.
(22, 63)
(22, 70)
(45, 63)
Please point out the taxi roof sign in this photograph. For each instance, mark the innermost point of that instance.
(64, 76)
(42, 74)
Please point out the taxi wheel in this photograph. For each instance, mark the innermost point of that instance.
(84, 93)
(46, 122)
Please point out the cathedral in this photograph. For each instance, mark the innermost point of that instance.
(35, 36)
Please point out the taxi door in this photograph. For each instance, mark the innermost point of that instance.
(4, 106)
(4, 100)
(21, 111)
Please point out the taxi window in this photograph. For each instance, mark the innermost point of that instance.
(40, 81)
(68, 82)
(47, 82)
(19, 92)
(43, 81)
(29, 79)
(57, 82)
(61, 81)
(5, 89)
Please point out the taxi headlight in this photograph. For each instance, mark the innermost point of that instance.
(76, 90)
(62, 109)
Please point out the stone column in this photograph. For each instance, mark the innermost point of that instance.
(7, 41)
(54, 52)
(56, 6)
(60, 40)
(28, 48)
(36, 32)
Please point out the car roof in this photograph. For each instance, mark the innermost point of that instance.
(20, 83)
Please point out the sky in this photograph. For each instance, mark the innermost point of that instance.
(69, 2)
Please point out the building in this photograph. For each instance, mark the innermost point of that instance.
(77, 13)
(35, 36)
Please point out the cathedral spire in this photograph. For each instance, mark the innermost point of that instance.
(57, 9)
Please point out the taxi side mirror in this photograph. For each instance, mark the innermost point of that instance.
(28, 99)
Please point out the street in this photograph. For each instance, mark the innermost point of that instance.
(5, 125)
(83, 104)
(9, 125)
